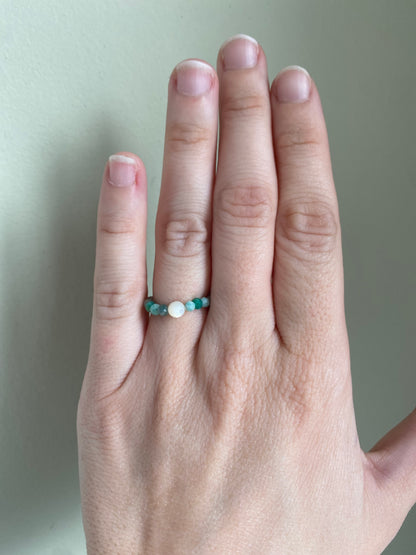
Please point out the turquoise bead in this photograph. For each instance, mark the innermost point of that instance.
(205, 301)
(197, 302)
(148, 303)
(154, 309)
(190, 306)
(163, 309)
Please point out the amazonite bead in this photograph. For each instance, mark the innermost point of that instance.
(148, 303)
(205, 301)
(154, 309)
(190, 306)
(176, 309)
(197, 302)
(163, 310)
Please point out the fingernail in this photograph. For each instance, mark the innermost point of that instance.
(239, 52)
(193, 77)
(292, 84)
(122, 170)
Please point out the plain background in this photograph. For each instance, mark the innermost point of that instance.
(79, 82)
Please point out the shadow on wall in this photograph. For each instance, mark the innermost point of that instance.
(49, 307)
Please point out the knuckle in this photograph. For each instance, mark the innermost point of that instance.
(115, 300)
(233, 383)
(298, 137)
(183, 135)
(117, 224)
(245, 206)
(312, 227)
(298, 389)
(99, 420)
(172, 393)
(230, 385)
(310, 384)
(185, 237)
(246, 105)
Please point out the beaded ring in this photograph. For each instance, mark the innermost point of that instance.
(175, 308)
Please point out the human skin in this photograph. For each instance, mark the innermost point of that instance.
(231, 430)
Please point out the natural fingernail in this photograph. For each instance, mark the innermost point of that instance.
(122, 170)
(292, 84)
(193, 77)
(239, 52)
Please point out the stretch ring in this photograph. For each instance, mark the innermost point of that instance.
(176, 309)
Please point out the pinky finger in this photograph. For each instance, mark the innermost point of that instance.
(120, 279)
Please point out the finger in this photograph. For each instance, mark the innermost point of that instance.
(183, 222)
(308, 273)
(393, 466)
(245, 195)
(120, 279)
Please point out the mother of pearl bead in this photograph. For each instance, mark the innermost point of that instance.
(176, 309)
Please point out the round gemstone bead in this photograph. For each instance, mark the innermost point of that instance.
(205, 301)
(190, 306)
(148, 303)
(154, 309)
(176, 309)
(197, 302)
(163, 310)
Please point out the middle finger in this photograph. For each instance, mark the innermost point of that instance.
(245, 194)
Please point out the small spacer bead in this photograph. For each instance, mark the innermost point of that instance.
(205, 301)
(148, 303)
(190, 306)
(197, 302)
(154, 309)
(163, 310)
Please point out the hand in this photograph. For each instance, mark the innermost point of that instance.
(231, 429)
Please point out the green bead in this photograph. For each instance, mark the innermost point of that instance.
(148, 303)
(163, 310)
(154, 309)
(205, 301)
(190, 306)
(197, 302)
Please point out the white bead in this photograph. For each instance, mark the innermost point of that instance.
(176, 309)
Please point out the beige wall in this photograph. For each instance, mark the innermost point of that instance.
(81, 80)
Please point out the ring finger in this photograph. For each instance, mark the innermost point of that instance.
(183, 223)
